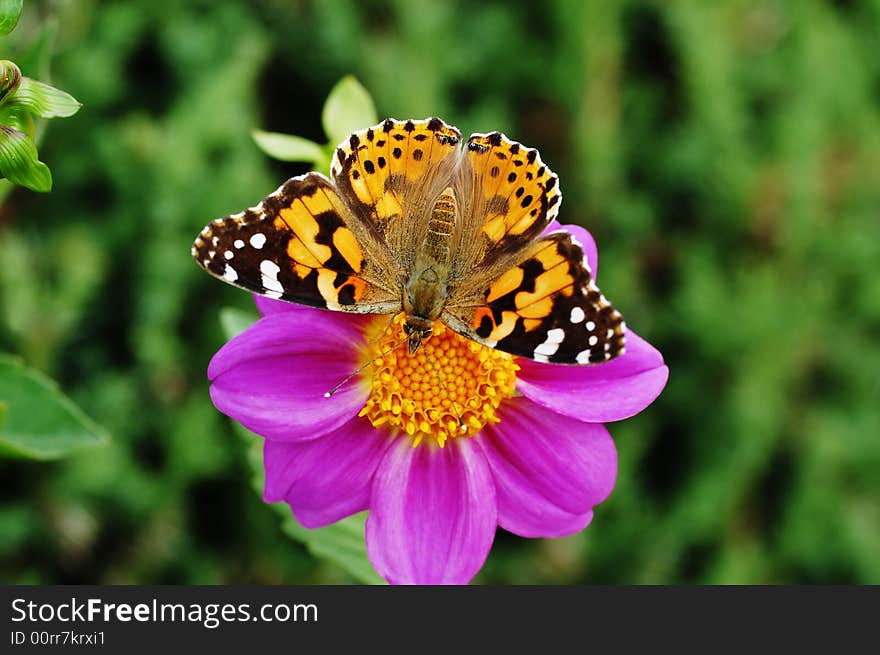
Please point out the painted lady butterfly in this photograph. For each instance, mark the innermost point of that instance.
(412, 222)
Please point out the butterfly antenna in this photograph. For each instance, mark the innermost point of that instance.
(348, 377)
(439, 374)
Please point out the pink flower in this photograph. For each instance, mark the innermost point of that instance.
(538, 464)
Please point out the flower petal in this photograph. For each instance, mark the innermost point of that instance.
(583, 237)
(600, 393)
(433, 513)
(549, 470)
(324, 480)
(272, 377)
(267, 306)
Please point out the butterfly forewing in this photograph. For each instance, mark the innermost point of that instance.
(299, 244)
(547, 307)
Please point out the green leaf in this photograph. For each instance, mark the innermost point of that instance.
(10, 10)
(348, 108)
(42, 100)
(341, 543)
(19, 162)
(235, 321)
(41, 422)
(287, 147)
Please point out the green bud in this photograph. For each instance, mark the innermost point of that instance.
(10, 78)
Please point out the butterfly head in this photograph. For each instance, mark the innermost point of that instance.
(417, 330)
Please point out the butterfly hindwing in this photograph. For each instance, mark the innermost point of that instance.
(391, 174)
(299, 244)
(507, 197)
(547, 308)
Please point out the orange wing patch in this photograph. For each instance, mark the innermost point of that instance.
(516, 195)
(385, 170)
(548, 308)
(294, 245)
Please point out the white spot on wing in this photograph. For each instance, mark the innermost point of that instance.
(577, 314)
(238, 243)
(583, 357)
(258, 240)
(229, 274)
(546, 349)
(551, 343)
(229, 254)
(270, 271)
(590, 326)
(594, 340)
(556, 335)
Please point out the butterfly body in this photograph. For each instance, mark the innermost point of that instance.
(412, 222)
(426, 291)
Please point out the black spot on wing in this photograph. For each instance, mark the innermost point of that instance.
(328, 223)
(485, 328)
(345, 294)
(520, 342)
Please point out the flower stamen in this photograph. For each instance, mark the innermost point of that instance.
(451, 387)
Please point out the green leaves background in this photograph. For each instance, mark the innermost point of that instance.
(42, 423)
(724, 154)
(22, 100)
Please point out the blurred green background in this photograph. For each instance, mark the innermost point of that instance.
(725, 155)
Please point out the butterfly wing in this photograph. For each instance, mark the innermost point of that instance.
(512, 289)
(506, 198)
(301, 244)
(547, 307)
(391, 175)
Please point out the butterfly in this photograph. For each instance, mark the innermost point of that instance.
(414, 221)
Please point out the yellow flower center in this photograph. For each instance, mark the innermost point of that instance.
(451, 387)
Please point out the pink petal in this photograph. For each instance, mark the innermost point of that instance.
(272, 377)
(267, 306)
(600, 393)
(324, 480)
(433, 513)
(549, 470)
(583, 237)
